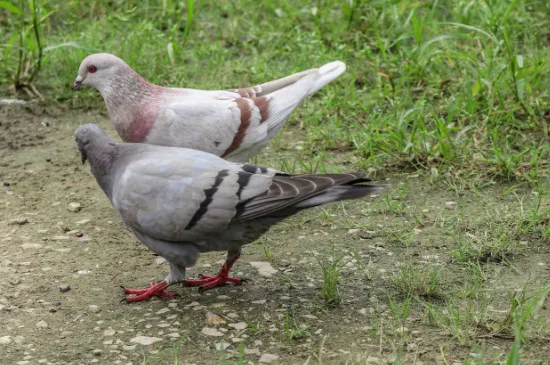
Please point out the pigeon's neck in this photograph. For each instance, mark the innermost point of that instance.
(126, 87)
(130, 101)
(101, 155)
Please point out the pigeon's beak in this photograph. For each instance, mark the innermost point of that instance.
(77, 83)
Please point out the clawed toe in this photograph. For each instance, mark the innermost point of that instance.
(154, 290)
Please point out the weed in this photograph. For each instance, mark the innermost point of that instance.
(484, 247)
(331, 279)
(401, 311)
(292, 330)
(411, 281)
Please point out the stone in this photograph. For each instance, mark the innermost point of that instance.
(64, 288)
(5, 340)
(211, 332)
(238, 326)
(29, 245)
(109, 332)
(92, 308)
(42, 324)
(402, 331)
(74, 207)
(261, 301)
(222, 346)
(163, 310)
(268, 358)
(248, 351)
(145, 340)
(264, 268)
(19, 221)
(213, 319)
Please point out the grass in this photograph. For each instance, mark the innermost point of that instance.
(438, 85)
(330, 292)
(413, 282)
(449, 100)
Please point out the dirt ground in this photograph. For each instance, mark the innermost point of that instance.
(278, 318)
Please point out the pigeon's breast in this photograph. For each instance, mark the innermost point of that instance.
(140, 126)
(135, 120)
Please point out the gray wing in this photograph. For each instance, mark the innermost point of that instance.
(290, 193)
(184, 195)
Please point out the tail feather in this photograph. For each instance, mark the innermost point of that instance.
(275, 85)
(283, 101)
(338, 193)
(327, 73)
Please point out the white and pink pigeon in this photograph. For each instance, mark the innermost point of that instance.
(234, 124)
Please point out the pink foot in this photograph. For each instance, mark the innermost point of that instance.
(222, 277)
(209, 282)
(154, 290)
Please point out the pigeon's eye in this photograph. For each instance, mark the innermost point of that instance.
(92, 69)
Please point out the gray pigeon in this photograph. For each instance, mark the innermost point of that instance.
(234, 124)
(180, 202)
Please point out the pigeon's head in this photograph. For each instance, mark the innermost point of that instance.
(85, 135)
(97, 70)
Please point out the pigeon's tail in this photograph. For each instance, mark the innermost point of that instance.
(327, 73)
(297, 87)
(289, 194)
(323, 76)
(337, 193)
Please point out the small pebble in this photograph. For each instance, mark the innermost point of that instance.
(19, 220)
(92, 308)
(145, 340)
(248, 351)
(214, 319)
(239, 325)
(6, 183)
(74, 207)
(42, 324)
(79, 234)
(211, 332)
(267, 358)
(163, 310)
(264, 268)
(222, 346)
(64, 288)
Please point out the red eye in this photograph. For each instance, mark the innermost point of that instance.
(92, 68)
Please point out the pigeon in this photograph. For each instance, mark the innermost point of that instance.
(180, 202)
(234, 124)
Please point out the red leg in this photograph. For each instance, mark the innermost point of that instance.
(154, 290)
(222, 277)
